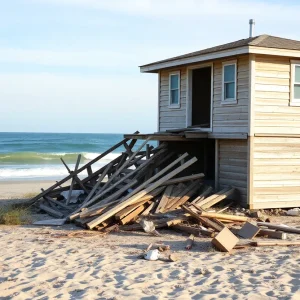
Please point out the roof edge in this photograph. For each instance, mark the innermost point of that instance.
(155, 67)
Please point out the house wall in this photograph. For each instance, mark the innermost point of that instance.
(275, 172)
(272, 111)
(232, 166)
(170, 118)
(226, 118)
(231, 118)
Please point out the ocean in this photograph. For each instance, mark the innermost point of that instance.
(36, 156)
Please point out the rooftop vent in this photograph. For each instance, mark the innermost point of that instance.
(251, 27)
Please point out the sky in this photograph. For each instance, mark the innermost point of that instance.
(72, 65)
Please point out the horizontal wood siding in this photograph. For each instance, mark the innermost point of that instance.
(272, 110)
(233, 167)
(276, 172)
(170, 118)
(231, 118)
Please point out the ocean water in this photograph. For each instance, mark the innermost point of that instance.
(26, 156)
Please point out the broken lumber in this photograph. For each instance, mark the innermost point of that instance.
(133, 197)
(193, 230)
(164, 199)
(271, 243)
(223, 216)
(51, 211)
(272, 234)
(279, 227)
(184, 179)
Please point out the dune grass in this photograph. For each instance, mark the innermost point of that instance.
(14, 215)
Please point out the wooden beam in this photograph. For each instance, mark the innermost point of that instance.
(134, 196)
(79, 170)
(279, 227)
(51, 211)
(73, 179)
(185, 178)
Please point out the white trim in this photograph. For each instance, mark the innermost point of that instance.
(194, 59)
(158, 112)
(189, 96)
(229, 101)
(252, 76)
(293, 102)
(177, 105)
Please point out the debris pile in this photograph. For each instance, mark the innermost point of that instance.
(148, 189)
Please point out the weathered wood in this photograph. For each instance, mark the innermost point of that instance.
(133, 197)
(279, 227)
(118, 171)
(281, 243)
(185, 178)
(193, 188)
(73, 179)
(164, 199)
(147, 211)
(214, 224)
(203, 195)
(101, 194)
(51, 211)
(214, 199)
(57, 202)
(272, 234)
(52, 222)
(131, 216)
(223, 216)
(193, 230)
(79, 170)
(89, 196)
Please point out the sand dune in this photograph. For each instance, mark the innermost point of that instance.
(42, 263)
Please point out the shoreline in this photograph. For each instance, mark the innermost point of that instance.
(21, 189)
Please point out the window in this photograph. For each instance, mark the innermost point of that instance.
(174, 90)
(229, 83)
(295, 83)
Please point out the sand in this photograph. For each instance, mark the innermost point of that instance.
(46, 263)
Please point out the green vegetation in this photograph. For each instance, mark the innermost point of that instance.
(14, 215)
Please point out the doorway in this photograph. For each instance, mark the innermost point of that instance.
(201, 97)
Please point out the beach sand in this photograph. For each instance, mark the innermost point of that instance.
(49, 263)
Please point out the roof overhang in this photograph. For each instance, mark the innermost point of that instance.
(155, 67)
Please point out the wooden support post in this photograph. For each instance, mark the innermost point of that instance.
(73, 180)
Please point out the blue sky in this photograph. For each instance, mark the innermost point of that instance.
(72, 65)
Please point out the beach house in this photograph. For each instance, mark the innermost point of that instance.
(237, 105)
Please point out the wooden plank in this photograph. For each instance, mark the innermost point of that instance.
(132, 215)
(223, 216)
(107, 169)
(272, 234)
(279, 243)
(138, 169)
(185, 178)
(193, 230)
(203, 195)
(147, 211)
(57, 202)
(210, 201)
(279, 227)
(79, 170)
(133, 197)
(164, 199)
(73, 179)
(51, 211)
(52, 222)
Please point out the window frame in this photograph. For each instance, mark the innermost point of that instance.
(174, 105)
(229, 101)
(293, 101)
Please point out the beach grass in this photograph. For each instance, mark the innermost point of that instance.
(29, 195)
(14, 215)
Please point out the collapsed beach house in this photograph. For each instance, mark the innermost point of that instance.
(236, 107)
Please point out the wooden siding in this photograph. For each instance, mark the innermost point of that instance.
(232, 167)
(276, 172)
(272, 110)
(231, 118)
(170, 118)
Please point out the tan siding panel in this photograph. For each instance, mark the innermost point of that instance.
(233, 165)
(276, 172)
